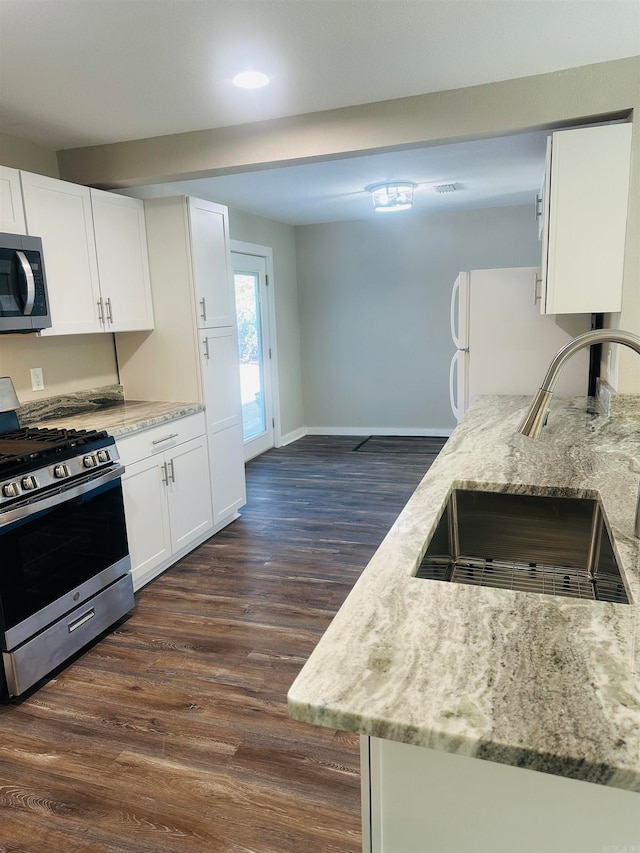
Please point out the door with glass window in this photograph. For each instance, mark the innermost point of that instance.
(254, 352)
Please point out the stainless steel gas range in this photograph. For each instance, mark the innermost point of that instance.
(64, 559)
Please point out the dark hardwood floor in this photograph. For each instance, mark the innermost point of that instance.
(172, 733)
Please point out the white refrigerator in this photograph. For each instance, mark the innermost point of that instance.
(503, 343)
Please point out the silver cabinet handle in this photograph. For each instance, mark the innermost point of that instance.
(172, 471)
(31, 285)
(166, 438)
(109, 313)
(538, 206)
(206, 348)
(204, 308)
(165, 474)
(100, 311)
(537, 279)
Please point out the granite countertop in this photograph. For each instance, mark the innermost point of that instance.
(543, 682)
(104, 409)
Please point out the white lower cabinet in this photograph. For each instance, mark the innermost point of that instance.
(167, 494)
(419, 800)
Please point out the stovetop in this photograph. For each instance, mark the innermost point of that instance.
(28, 444)
(33, 461)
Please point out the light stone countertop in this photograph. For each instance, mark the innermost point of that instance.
(126, 418)
(103, 409)
(543, 682)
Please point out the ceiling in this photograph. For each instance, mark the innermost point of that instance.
(85, 72)
(486, 173)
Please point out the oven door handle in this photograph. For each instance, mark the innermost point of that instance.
(62, 495)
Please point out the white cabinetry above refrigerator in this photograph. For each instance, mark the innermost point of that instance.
(584, 220)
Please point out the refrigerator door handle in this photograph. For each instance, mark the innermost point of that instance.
(455, 312)
(456, 407)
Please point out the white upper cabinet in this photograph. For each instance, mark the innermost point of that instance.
(210, 240)
(123, 264)
(585, 200)
(60, 213)
(95, 251)
(11, 207)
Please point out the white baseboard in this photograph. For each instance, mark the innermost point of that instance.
(426, 432)
(365, 432)
(292, 436)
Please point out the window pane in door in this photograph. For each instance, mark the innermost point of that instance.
(250, 353)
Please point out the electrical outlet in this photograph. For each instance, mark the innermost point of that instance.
(37, 379)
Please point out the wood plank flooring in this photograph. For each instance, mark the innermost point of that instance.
(171, 734)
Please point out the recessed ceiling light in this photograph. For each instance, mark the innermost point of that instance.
(250, 80)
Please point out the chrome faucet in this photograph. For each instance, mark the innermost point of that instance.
(536, 416)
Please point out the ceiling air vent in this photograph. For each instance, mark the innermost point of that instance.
(444, 188)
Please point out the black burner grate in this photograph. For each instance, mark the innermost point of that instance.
(29, 444)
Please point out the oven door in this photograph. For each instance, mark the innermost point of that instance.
(58, 551)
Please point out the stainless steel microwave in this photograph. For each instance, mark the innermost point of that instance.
(24, 304)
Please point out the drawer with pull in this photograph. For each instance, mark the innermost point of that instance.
(148, 442)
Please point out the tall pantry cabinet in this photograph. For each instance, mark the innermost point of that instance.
(192, 354)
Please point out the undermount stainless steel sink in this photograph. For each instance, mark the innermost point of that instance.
(528, 543)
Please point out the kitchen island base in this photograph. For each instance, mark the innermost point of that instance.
(419, 800)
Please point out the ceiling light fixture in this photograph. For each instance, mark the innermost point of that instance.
(250, 80)
(395, 195)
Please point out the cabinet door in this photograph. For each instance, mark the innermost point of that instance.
(210, 249)
(224, 420)
(415, 798)
(227, 473)
(587, 222)
(123, 264)
(11, 208)
(147, 515)
(60, 213)
(189, 492)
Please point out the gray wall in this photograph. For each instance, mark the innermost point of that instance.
(374, 311)
(281, 238)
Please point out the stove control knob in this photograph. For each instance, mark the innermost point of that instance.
(60, 471)
(89, 461)
(104, 456)
(29, 483)
(11, 490)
